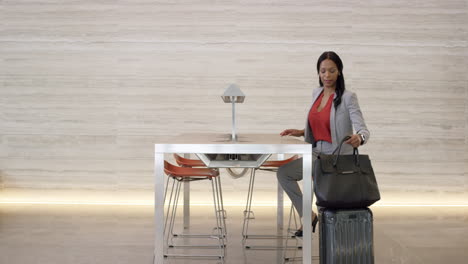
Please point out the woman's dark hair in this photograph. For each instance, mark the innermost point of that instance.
(340, 84)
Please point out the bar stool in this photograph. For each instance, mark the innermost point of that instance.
(184, 174)
(248, 213)
(185, 162)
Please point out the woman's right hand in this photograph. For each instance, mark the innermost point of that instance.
(292, 132)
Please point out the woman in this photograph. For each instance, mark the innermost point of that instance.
(332, 116)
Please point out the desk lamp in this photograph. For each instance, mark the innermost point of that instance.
(233, 95)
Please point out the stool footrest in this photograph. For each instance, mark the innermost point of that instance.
(249, 215)
(197, 246)
(300, 258)
(268, 236)
(273, 247)
(199, 235)
(192, 256)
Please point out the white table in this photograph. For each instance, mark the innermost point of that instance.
(221, 144)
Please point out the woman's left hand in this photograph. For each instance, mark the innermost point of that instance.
(354, 141)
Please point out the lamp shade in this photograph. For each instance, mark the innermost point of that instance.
(233, 94)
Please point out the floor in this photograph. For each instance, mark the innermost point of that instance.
(104, 234)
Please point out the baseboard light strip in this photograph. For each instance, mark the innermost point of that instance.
(148, 203)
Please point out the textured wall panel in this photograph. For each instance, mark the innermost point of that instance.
(86, 87)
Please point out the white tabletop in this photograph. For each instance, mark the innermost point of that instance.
(222, 143)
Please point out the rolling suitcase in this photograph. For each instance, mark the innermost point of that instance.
(346, 236)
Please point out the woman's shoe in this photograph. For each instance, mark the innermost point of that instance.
(314, 224)
(298, 233)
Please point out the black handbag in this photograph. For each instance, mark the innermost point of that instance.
(345, 181)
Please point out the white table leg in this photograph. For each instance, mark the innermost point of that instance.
(186, 200)
(279, 217)
(307, 209)
(280, 202)
(159, 208)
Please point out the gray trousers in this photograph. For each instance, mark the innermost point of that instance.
(289, 174)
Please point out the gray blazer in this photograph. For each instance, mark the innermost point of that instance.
(342, 120)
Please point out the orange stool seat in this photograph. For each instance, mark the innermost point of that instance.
(184, 162)
(176, 171)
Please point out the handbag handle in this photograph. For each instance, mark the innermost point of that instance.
(355, 152)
